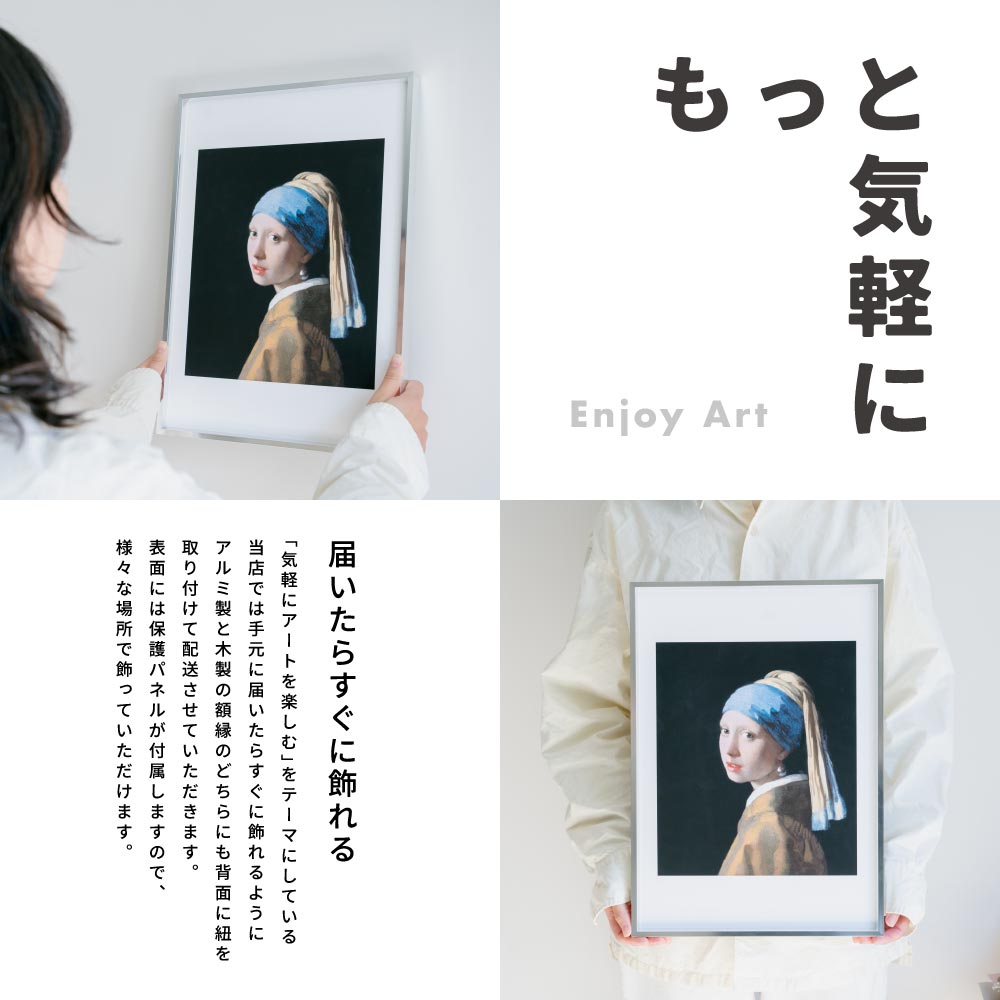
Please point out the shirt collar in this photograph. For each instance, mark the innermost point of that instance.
(777, 783)
(743, 510)
(292, 289)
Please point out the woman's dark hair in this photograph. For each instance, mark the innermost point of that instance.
(34, 137)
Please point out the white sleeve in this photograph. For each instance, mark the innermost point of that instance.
(379, 458)
(130, 412)
(918, 705)
(82, 464)
(586, 724)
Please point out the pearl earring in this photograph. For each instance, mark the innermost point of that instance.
(782, 770)
(303, 273)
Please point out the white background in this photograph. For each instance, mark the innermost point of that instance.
(123, 65)
(419, 904)
(550, 948)
(672, 268)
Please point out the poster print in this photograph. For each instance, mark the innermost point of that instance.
(284, 269)
(284, 300)
(777, 797)
(757, 757)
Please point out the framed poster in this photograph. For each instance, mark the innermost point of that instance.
(757, 758)
(284, 297)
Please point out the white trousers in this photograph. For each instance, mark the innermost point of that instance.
(636, 986)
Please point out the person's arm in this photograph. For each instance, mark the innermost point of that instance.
(918, 701)
(382, 454)
(130, 411)
(380, 457)
(586, 736)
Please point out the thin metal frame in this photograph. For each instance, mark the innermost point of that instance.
(881, 715)
(410, 79)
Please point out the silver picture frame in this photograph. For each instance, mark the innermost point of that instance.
(647, 916)
(166, 422)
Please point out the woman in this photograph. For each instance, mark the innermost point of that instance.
(762, 723)
(290, 225)
(49, 453)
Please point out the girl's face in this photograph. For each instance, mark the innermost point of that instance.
(748, 752)
(274, 254)
(41, 242)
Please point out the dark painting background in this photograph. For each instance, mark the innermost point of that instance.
(698, 806)
(226, 307)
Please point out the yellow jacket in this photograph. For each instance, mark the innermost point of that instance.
(774, 836)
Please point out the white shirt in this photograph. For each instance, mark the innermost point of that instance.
(298, 287)
(777, 783)
(586, 713)
(110, 457)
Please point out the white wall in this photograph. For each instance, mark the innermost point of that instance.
(122, 66)
(550, 948)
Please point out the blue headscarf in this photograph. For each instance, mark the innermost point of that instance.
(770, 708)
(313, 224)
(299, 212)
(772, 703)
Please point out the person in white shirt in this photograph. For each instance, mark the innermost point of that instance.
(586, 728)
(48, 453)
